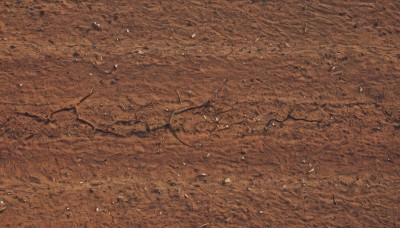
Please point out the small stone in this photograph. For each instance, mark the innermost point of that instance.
(202, 175)
(121, 199)
(96, 25)
(193, 36)
(227, 181)
(76, 53)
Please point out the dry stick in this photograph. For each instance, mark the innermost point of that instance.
(334, 199)
(221, 111)
(168, 125)
(289, 117)
(38, 118)
(258, 38)
(179, 96)
(130, 122)
(74, 108)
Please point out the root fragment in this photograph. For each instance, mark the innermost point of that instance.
(289, 116)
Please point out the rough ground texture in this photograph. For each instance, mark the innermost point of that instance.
(140, 120)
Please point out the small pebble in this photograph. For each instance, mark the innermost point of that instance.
(96, 25)
(227, 181)
(120, 199)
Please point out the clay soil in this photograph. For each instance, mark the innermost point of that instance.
(199, 113)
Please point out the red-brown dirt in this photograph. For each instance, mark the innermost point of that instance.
(140, 120)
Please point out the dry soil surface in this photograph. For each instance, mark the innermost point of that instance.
(193, 113)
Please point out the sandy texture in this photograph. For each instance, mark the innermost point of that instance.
(138, 120)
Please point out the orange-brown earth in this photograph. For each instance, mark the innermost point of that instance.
(140, 120)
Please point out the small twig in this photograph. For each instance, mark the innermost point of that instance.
(66, 109)
(177, 137)
(49, 117)
(2, 209)
(31, 115)
(221, 111)
(87, 96)
(289, 117)
(179, 96)
(258, 38)
(168, 125)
